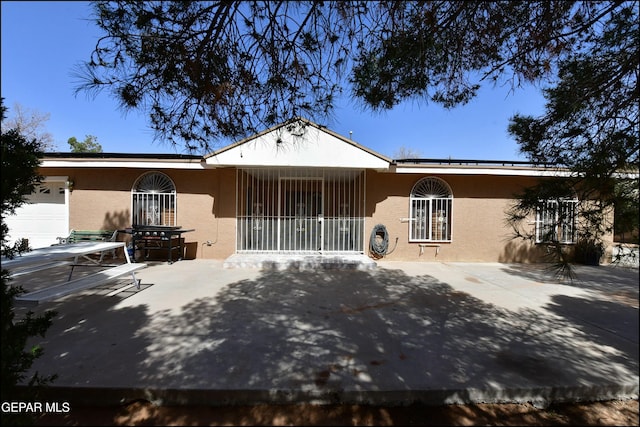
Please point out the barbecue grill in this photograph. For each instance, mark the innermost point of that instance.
(147, 238)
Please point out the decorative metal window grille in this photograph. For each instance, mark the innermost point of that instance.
(431, 204)
(293, 210)
(556, 222)
(153, 200)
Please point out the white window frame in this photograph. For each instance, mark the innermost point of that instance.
(431, 211)
(556, 225)
(153, 200)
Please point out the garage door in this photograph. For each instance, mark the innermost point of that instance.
(44, 217)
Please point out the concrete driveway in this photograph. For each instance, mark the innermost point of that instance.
(198, 333)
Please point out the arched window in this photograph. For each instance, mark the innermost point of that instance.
(430, 208)
(153, 200)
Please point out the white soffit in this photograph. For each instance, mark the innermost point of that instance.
(298, 146)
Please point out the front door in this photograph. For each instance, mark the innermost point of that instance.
(301, 218)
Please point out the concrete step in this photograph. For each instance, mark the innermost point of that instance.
(300, 261)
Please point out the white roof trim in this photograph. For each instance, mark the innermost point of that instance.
(500, 171)
(471, 170)
(133, 163)
(298, 143)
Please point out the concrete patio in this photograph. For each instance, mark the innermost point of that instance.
(436, 333)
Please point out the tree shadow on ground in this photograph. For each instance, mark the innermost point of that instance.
(88, 333)
(616, 283)
(337, 336)
(334, 335)
(608, 323)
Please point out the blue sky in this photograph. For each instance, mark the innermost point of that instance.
(43, 41)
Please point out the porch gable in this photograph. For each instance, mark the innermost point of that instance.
(298, 143)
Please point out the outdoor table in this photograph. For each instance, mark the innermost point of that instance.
(60, 255)
(52, 254)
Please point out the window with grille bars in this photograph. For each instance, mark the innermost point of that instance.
(556, 221)
(153, 200)
(431, 204)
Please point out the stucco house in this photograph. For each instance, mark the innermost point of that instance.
(297, 188)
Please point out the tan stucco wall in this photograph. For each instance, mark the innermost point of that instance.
(101, 199)
(206, 202)
(479, 233)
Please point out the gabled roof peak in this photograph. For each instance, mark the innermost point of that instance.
(298, 142)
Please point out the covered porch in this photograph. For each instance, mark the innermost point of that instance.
(300, 191)
(300, 211)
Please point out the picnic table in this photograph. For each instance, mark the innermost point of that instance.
(72, 255)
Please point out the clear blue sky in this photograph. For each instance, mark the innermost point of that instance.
(43, 41)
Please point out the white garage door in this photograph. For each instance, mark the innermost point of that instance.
(44, 217)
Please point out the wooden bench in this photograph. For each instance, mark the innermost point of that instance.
(76, 236)
(63, 289)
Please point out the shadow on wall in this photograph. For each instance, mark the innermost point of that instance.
(116, 220)
(522, 252)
